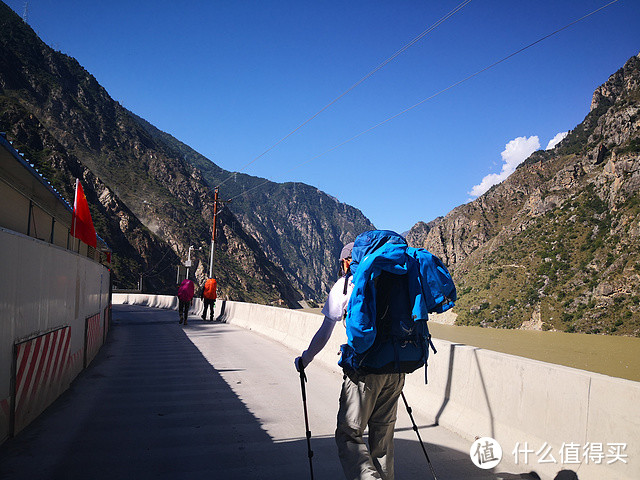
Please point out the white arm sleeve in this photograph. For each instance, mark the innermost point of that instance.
(318, 341)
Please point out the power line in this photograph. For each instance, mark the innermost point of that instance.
(150, 271)
(368, 75)
(158, 273)
(433, 96)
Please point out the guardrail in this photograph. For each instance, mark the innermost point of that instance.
(545, 416)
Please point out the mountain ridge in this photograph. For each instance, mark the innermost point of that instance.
(296, 230)
(555, 244)
(308, 252)
(66, 123)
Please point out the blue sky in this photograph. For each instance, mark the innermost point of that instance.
(232, 78)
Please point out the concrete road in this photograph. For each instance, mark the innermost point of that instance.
(212, 401)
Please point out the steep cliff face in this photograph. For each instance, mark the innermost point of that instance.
(163, 184)
(137, 249)
(558, 240)
(303, 230)
(148, 204)
(299, 227)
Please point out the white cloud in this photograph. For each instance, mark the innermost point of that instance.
(556, 140)
(515, 152)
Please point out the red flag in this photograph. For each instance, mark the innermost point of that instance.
(82, 225)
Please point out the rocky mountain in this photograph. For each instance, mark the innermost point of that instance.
(148, 202)
(300, 228)
(135, 245)
(555, 246)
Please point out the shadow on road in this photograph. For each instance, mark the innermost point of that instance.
(151, 406)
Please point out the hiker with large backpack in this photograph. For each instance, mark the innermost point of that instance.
(185, 295)
(209, 295)
(384, 295)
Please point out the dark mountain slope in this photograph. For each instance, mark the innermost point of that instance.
(59, 115)
(301, 228)
(137, 249)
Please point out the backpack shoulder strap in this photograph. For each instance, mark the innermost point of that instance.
(346, 283)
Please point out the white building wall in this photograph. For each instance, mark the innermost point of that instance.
(43, 288)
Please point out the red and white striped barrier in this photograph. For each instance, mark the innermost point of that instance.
(93, 338)
(41, 365)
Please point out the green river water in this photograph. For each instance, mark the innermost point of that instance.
(606, 354)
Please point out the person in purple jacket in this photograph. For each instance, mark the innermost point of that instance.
(185, 295)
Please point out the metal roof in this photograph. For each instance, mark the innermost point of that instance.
(17, 172)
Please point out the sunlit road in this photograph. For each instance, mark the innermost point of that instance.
(209, 400)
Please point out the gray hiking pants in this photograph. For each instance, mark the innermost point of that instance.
(368, 401)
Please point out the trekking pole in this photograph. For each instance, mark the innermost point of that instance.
(303, 379)
(415, 429)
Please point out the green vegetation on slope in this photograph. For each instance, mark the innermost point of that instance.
(567, 266)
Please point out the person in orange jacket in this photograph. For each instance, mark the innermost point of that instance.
(209, 296)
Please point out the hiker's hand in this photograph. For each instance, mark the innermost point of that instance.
(298, 363)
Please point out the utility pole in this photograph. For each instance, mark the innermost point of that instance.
(188, 262)
(213, 233)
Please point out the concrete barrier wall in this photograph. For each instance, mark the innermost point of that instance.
(526, 405)
(52, 302)
(167, 302)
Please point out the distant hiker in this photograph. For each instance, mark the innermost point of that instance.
(185, 295)
(209, 296)
(385, 292)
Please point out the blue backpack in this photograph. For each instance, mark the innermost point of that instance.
(395, 288)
